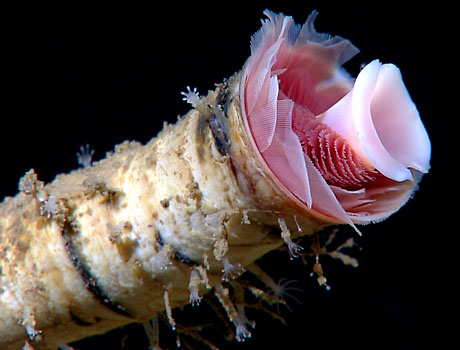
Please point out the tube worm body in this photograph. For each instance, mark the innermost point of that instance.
(282, 149)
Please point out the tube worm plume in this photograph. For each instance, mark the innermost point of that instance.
(350, 151)
(287, 146)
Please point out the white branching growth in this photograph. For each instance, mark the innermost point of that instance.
(235, 314)
(85, 156)
(191, 96)
(230, 271)
(294, 248)
(195, 281)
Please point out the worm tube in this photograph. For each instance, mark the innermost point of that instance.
(268, 156)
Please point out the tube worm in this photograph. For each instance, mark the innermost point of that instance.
(287, 146)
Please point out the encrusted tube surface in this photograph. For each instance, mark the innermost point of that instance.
(99, 247)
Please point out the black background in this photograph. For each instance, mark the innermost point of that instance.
(78, 75)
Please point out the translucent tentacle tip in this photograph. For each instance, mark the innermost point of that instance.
(191, 96)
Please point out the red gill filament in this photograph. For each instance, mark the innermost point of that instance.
(331, 154)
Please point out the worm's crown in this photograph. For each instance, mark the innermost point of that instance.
(349, 149)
